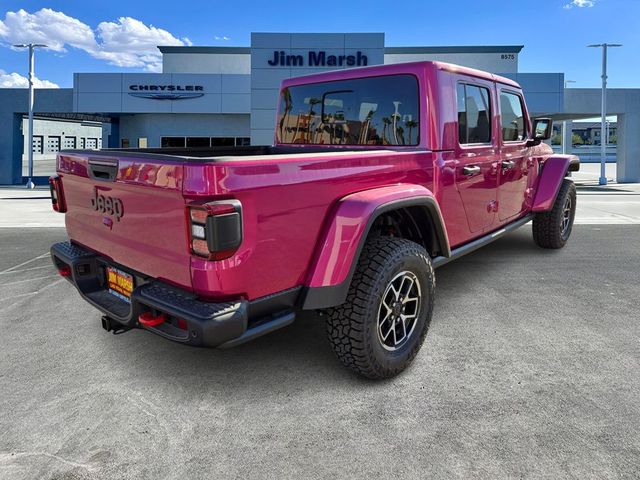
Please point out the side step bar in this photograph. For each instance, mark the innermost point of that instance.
(481, 242)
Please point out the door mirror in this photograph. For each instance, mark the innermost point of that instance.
(542, 128)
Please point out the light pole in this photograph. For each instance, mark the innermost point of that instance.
(603, 146)
(31, 47)
(564, 124)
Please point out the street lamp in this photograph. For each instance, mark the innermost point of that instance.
(564, 123)
(31, 47)
(603, 146)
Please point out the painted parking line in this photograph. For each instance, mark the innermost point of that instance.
(11, 269)
(26, 269)
(28, 294)
(26, 280)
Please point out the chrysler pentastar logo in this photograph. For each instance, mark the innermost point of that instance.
(166, 92)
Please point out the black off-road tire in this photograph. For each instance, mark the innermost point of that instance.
(352, 327)
(548, 231)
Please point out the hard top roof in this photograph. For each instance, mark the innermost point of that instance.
(394, 69)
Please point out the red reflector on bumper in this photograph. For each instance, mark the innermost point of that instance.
(65, 271)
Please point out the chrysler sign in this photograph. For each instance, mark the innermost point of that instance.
(166, 92)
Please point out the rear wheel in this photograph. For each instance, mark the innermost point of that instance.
(552, 229)
(380, 328)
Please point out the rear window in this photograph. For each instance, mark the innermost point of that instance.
(363, 111)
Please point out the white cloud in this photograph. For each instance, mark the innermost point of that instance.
(127, 42)
(130, 43)
(580, 4)
(46, 26)
(222, 37)
(15, 80)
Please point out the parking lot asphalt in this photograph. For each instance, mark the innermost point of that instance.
(530, 370)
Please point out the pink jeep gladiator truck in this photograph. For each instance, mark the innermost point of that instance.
(377, 176)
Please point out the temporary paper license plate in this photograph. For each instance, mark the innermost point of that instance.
(119, 283)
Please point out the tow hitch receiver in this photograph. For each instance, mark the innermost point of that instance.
(148, 319)
(112, 326)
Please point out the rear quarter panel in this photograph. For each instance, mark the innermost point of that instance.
(286, 206)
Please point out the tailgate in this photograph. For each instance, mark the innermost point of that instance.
(130, 210)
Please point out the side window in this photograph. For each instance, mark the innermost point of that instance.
(474, 114)
(512, 117)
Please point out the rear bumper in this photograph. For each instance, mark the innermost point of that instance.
(188, 320)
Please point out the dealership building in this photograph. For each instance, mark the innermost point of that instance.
(208, 96)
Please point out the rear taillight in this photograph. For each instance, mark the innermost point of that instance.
(57, 195)
(215, 229)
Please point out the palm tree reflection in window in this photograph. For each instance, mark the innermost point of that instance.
(364, 132)
(288, 106)
(387, 122)
(311, 125)
(411, 124)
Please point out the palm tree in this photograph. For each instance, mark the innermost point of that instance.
(288, 106)
(387, 123)
(411, 124)
(312, 101)
(365, 127)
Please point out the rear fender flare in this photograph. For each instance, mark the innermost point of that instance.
(342, 241)
(554, 170)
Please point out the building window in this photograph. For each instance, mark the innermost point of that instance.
(203, 142)
(512, 117)
(223, 141)
(198, 142)
(172, 142)
(92, 143)
(474, 114)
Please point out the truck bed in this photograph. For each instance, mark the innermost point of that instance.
(208, 154)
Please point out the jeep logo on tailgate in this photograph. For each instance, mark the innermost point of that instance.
(109, 205)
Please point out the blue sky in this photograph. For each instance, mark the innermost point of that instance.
(115, 36)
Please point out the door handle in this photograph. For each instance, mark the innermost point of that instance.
(471, 170)
(508, 165)
(468, 155)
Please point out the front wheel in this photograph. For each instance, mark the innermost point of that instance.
(379, 330)
(552, 229)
